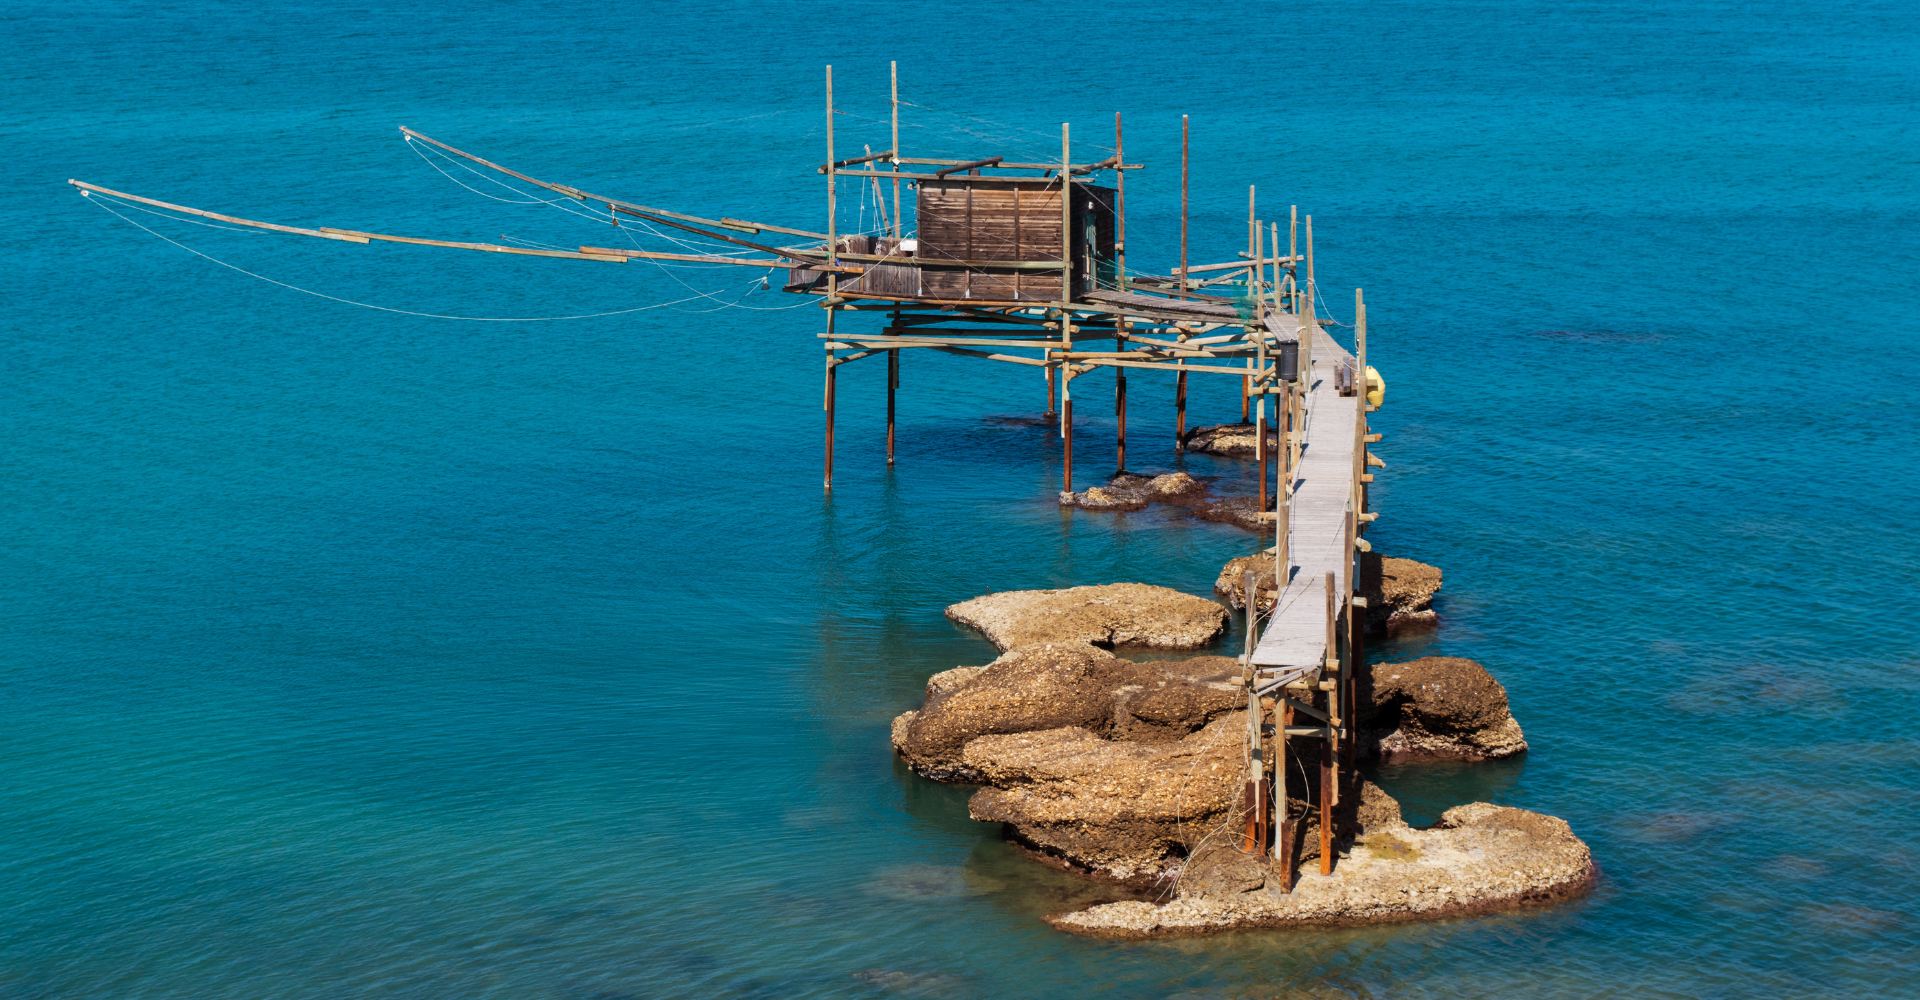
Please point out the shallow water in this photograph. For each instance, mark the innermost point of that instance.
(351, 653)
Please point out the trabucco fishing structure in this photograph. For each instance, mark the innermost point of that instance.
(1025, 263)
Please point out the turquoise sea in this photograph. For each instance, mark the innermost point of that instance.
(354, 653)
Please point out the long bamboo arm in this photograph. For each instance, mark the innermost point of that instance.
(345, 235)
(203, 213)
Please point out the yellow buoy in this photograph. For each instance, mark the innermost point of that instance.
(1376, 387)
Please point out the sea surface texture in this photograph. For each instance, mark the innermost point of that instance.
(353, 652)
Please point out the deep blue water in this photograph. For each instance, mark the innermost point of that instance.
(351, 653)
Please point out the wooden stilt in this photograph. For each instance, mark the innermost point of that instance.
(833, 277)
(1120, 412)
(894, 71)
(1120, 273)
(1246, 396)
(1350, 669)
(1282, 817)
(1329, 779)
(1066, 424)
(1180, 412)
(1326, 803)
(1051, 412)
(1260, 444)
(893, 382)
(1183, 208)
(832, 372)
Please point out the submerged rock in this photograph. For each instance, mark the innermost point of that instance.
(1437, 706)
(1117, 614)
(1399, 594)
(1480, 857)
(1237, 440)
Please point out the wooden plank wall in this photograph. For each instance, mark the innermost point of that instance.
(970, 218)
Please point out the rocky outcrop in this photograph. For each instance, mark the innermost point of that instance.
(1117, 810)
(1117, 614)
(1034, 688)
(1169, 700)
(1231, 587)
(1399, 594)
(1129, 491)
(1480, 857)
(1053, 686)
(1236, 440)
(1436, 706)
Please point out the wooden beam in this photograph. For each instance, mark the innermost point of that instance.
(713, 259)
(823, 168)
(1233, 265)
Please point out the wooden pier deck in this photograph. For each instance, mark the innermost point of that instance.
(1294, 644)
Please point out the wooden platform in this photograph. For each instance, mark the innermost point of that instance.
(1294, 644)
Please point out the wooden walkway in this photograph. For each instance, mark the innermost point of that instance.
(1293, 646)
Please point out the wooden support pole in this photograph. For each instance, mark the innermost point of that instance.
(1120, 199)
(1252, 842)
(1120, 407)
(832, 373)
(893, 383)
(894, 69)
(1183, 205)
(833, 282)
(1066, 235)
(1349, 673)
(1282, 816)
(1051, 412)
(1246, 397)
(1180, 412)
(1328, 779)
(1066, 424)
(1260, 445)
(1283, 496)
(833, 244)
(1326, 803)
